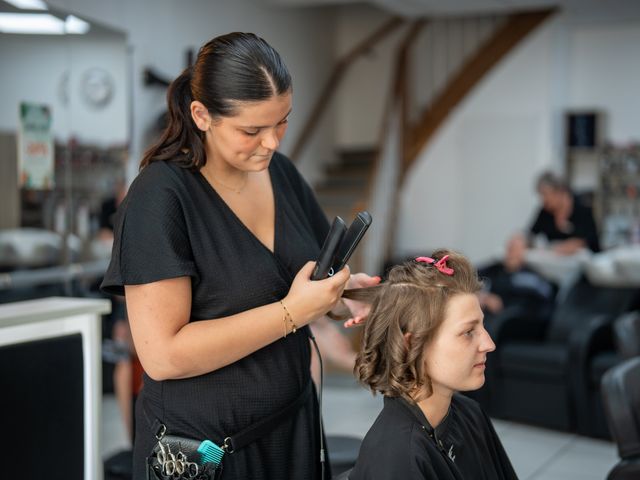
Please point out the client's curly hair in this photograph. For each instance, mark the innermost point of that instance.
(412, 300)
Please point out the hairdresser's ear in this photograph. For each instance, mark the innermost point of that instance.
(200, 115)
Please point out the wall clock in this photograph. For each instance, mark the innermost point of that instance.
(97, 87)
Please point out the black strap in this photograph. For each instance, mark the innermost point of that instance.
(252, 432)
(264, 426)
(157, 427)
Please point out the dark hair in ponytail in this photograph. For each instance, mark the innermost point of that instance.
(232, 68)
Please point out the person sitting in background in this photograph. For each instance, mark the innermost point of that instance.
(108, 209)
(119, 348)
(510, 283)
(563, 219)
(424, 341)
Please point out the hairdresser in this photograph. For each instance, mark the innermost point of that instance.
(213, 251)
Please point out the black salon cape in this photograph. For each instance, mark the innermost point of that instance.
(171, 224)
(402, 445)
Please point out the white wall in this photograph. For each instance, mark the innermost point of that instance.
(159, 31)
(36, 69)
(605, 73)
(363, 93)
(381, 204)
(474, 184)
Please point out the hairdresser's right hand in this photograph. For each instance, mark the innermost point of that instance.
(310, 299)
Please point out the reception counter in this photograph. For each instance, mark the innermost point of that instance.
(50, 387)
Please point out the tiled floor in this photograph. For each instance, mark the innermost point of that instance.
(536, 453)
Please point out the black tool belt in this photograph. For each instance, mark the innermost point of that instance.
(183, 453)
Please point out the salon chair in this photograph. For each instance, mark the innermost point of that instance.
(627, 335)
(533, 374)
(343, 475)
(609, 344)
(343, 453)
(621, 398)
(119, 466)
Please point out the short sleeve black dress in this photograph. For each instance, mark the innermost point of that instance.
(171, 224)
(580, 225)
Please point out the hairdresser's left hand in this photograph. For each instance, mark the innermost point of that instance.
(359, 310)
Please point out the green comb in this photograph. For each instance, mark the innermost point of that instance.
(210, 452)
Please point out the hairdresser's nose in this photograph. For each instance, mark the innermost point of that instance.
(486, 343)
(270, 140)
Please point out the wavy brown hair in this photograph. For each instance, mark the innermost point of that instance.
(412, 300)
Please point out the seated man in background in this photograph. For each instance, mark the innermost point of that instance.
(509, 283)
(563, 219)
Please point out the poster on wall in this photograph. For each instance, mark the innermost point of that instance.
(35, 147)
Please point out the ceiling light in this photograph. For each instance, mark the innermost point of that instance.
(73, 24)
(28, 4)
(41, 23)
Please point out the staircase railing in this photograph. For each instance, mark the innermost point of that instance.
(435, 68)
(494, 42)
(336, 76)
(503, 39)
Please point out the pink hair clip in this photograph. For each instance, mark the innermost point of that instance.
(441, 264)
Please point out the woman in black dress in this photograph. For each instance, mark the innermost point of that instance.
(213, 248)
(424, 341)
(563, 219)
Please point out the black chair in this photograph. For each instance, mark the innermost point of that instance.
(343, 452)
(532, 374)
(607, 344)
(119, 466)
(343, 475)
(621, 397)
(627, 335)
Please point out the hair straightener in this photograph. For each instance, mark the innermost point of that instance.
(329, 248)
(339, 244)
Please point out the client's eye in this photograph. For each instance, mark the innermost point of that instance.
(469, 333)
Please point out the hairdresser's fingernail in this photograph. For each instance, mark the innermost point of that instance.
(377, 278)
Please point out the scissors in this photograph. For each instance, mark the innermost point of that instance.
(176, 466)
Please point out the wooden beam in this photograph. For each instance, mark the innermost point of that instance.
(334, 79)
(517, 27)
(402, 95)
(402, 89)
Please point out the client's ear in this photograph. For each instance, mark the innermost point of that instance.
(407, 340)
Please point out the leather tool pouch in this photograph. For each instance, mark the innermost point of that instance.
(177, 458)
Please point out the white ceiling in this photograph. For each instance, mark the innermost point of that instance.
(602, 9)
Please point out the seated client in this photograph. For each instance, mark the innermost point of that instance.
(424, 341)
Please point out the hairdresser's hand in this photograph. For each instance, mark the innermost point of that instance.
(310, 299)
(359, 310)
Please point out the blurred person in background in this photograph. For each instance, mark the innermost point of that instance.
(118, 349)
(108, 209)
(565, 222)
(509, 283)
